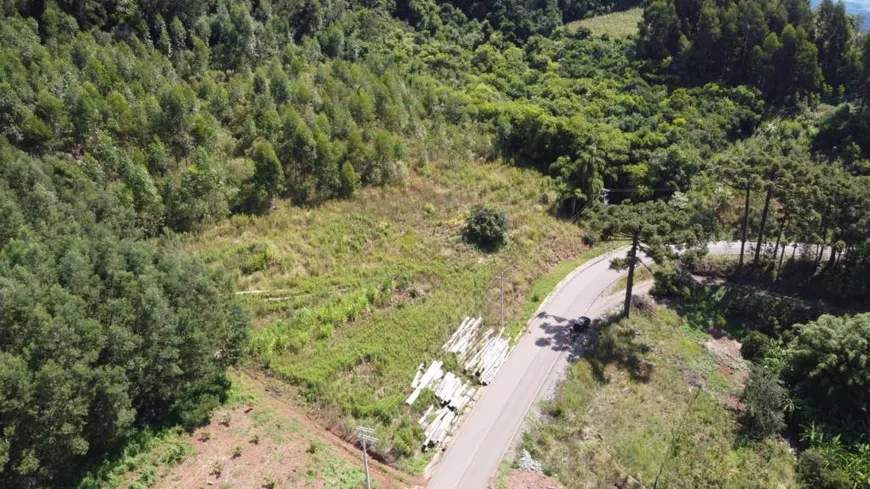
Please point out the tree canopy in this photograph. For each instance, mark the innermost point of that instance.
(783, 48)
(123, 123)
(657, 230)
(100, 332)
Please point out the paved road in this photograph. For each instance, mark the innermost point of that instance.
(477, 449)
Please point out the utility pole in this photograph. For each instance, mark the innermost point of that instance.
(501, 300)
(366, 436)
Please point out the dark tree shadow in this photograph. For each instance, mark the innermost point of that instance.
(613, 345)
(603, 343)
(557, 330)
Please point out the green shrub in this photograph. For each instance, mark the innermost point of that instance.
(672, 283)
(487, 228)
(425, 399)
(406, 439)
(756, 346)
(315, 446)
(818, 468)
(450, 362)
(828, 362)
(324, 331)
(296, 340)
(764, 397)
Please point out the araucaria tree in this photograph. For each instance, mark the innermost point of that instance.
(657, 231)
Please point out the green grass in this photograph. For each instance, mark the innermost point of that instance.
(142, 462)
(614, 24)
(361, 291)
(641, 274)
(626, 409)
(334, 471)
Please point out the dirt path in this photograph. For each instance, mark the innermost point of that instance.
(279, 392)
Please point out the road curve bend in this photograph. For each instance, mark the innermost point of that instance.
(477, 449)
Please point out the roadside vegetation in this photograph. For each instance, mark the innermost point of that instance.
(808, 355)
(651, 403)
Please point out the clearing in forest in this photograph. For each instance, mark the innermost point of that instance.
(257, 440)
(366, 289)
(614, 24)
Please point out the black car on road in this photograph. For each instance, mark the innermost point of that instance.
(578, 326)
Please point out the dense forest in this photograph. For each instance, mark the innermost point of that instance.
(123, 123)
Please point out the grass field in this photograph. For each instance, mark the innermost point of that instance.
(650, 402)
(615, 24)
(352, 295)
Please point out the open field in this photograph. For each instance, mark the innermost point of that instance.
(614, 24)
(656, 399)
(352, 295)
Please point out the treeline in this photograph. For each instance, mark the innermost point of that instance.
(781, 47)
(224, 109)
(101, 334)
(806, 201)
(577, 108)
(518, 19)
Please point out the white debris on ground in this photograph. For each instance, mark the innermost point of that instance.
(464, 337)
(482, 354)
(527, 463)
(438, 429)
(453, 393)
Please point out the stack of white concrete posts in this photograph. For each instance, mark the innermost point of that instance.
(422, 380)
(488, 358)
(464, 337)
(438, 429)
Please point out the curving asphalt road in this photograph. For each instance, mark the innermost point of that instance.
(476, 451)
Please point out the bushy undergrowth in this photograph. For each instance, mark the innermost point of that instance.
(626, 411)
(809, 366)
(486, 228)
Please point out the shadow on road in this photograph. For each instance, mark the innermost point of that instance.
(557, 332)
(604, 343)
(559, 337)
